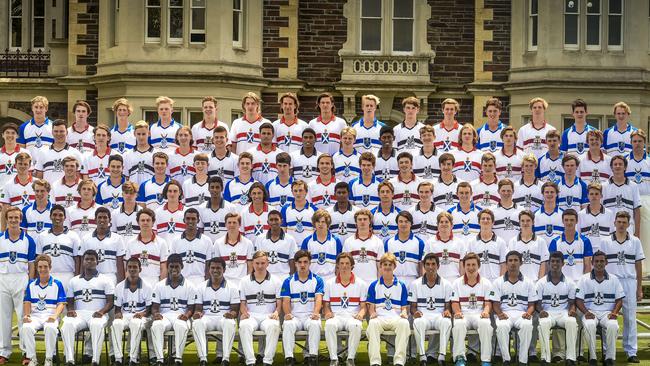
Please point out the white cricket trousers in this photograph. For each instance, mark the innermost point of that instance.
(340, 323)
(28, 331)
(431, 322)
(270, 327)
(377, 326)
(84, 320)
(562, 320)
(12, 294)
(459, 331)
(610, 327)
(629, 316)
(168, 322)
(289, 329)
(208, 324)
(525, 332)
(136, 326)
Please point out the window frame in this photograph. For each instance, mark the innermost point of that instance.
(192, 30)
(11, 23)
(240, 14)
(599, 14)
(148, 39)
(175, 40)
(571, 46)
(33, 25)
(381, 27)
(617, 47)
(533, 26)
(392, 25)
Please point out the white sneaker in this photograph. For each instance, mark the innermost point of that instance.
(48, 362)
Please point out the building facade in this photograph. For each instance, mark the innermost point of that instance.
(470, 50)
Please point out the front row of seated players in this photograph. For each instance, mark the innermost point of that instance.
(469, 302)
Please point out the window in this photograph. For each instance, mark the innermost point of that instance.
(197, 28)
(371, 25)
(403, 26)
(571, 23)
(16, 24)
(533, 25)
(237, 23)
(194, 117)
(38, 24)
(615, 25)
(154, 16)
(235, 115)
(593, 24)
(175, 21)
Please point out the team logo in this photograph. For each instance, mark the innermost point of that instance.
(214, 227)
(299, 226)
(507, 223)
(446, 145)
(321, 258)
(620, 258)
(493, 146)
(69, 200)
(485, 256)
(214, 306)
(345, 301)
(343, 230)
(423, 227)
(207, 145)
(555, 300)
(304, 296)
(428, 172)
(306, 171)
(595, 176)
(243, 199)
(273, 257)
(599, 299)
(80, 146)
(580, 147)
(365, 199)
(159, 198)
(326, 200)
(449, 198)
(525, 257)
(250, 136)
(509, 170)
(472, 301)
(101, 172)
(219, 172)
(325, 137)
(512, 300)
(444, 258)
(266, 167)
(101, 256)
(144, 258)
(467, 165)
(407, 197)
(465, 227)
(402, 256)
(39, 226)
(367, 142)
(552, 174)
(171, 227)
(619, 201)
(570, 259)
(38, 140)
(549, 229)
(363, 255)
(57, 165)
(189, 256)
(128, 229)
(184, 169)
(260, 298)
(25, 199)
(258, 229)
(410, 142)
(537, 143)
(140, 167)
(201, 198)
(569, 201)
(638, 177)
(388, 303)
(346, 170)
(132, 306)
(13, 256)
(621, 147)
(528, 200)
(384, 229)
(115, 201)
(163, 141)
(173, 303)
(86, 295)
(431, 303)
(287, 139)
(595, 230)
(40, 305)
(232, 260)
(486, 199)
(385, 173)
(85, 225)
(9, 167)
(121, 147)
(55, 250)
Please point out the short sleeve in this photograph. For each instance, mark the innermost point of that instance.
(620, 293)
(371, 293)
(412, 291)
(364, 289)
(60, 296)
(285, 290)
(234, 296)
(320, 285)
(109, 288)
(495, 292)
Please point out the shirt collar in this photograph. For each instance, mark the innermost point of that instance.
(593, 275)
(338, 278)
(519, 278)
(168, 282)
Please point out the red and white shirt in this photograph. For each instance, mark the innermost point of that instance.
(328, 133)
(169, 224)
(366, 254)
(264, 163)
(253, 224)
(406, 192)
(322, 193)
(450, 253)
(468, 164)
(151, 254)
(533, 140)
(181, 167)
(8, 164)
(471, 298)
(202, 136)
(82, 220)
(447, 140)
(345, 300)
(245, 133)
(65, 195)
(289, 137)
(96, 166)
(84, 141)
(236, 256)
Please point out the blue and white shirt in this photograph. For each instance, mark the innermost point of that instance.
(465, 223)
(362, 195)
(384, 224)
(638, 171)
(548, 169)
(617, 142)
(110, 196)
(236, 191)
(35, 137)
(388, 300)
(151, 192)
(346, 166)
(409, 254)
(367, 137)
(279, 194)
(121, 142)
(488, 140)
(35, 221)
(572, 194)
(164, 138)
(15, 256)
(548, 225)
(297, 222)
(302, 294)
(323, 254)
(575, 252)
(44, 300)
(574, 142)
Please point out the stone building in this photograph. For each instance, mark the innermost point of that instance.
(432, 49)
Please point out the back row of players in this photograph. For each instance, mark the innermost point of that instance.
(415, 168)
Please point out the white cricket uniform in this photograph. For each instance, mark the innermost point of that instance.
(409, 254)
(305, 167)
(388, 302)
(345, 303)
(528, 197)
(367, 137)
(596, 226)
(509, 166)
(164, 138)
(95, 166)
(621, 263)
(514, 299)
(237, 257)
(297, 222)
(151, 255)
(600, 298)
(43, 303)
(322, 194)
(62, 249)
(492, 254)
(465, 223)
(548, 169)
(426, 167)
(425, 224)
(245, 133)
(195, 253)
(362, 195)
(265, 168)
(574, 253)
(638, 171)
(408, 138)
(125, 224)
(328, 133)
(173, 301)
(386, 168)
(8, 164)
(366, 254)
(406, 193)
(225, 167)
(444, 195)
(468, 164)
(554, 299)
(431, 302)
(130, 303)
(617, 142)
(548, 225)
(82, 220)
(346, 166)
(447, 140)
(122, 141)
(254, 224)
(108, 195)
(533, 140)
(486, 195)
(34, 136)
(289, 137)
(471, 300)
(506, 221)
(181, 167)
(195, 194)
(35, 221)
(213, 222)
(150, 193)
(108, 249)
(49, 161)
(302, 296)
(261, 300)
(18, 194)
(591, 171)
(138, 165)
(343, 223)
(202, 136)
(236, 191)
(216, 302)
(279, 194)
(488, 140)
(572, 195)
(449, 254)
(624, 197)
(280, 252)
(90, 295)
(15, 257)
(323, 254)
(170, 225)
(84, 141)
(533, 253)
(384, 224)
(574, 142)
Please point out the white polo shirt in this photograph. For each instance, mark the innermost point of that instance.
(548, 225)
(196, 253)
(108, 250)
(131, 302)
(384, 224)
(44, 300)
(328, 133)
(444, 195)
(236, 257)
(15, 256)
(471, 298)
(449, 253)
(125, 224)
(289, 137)
(574, 252)
(151, 254)
(90, 293)
(345, 300)
(138, 165)
(260, 297)
(195, 194)
(214, 222)
(425, 224)
(65, 195)
(366, 254)
(430, 300)
(82, 220)
(465, 223)
(599, 296)
(62, 248)
(280, 252)
(236, 191)
(364, 196)
(514, 297)
(216, 302)
(173, 300)
(555, 297)
(225, 167)
(297, 222)
(597, 227)
(492, 253)
(170, 224)
(323, 254)
(533, 253)
(343, 223)
(622, 256)
(164, 138)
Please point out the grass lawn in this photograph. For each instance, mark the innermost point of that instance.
(362, 353)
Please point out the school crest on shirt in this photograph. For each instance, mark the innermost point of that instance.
(509, 170)
(299, 226)
(620, 258)
(171, 227)
(304, 297)
(363, 255)
(525, 257)
(431, 303)
(345, 301)
(258, 229)
(346, 169)
(472, 301)
(446, 145)
(388, 303)
(343, 230)
(402, 256)
(86, 295)
(101, 172)
(595, 176)
(243, 199)
(486, 199)
(283, 200)
(580, 147)
(325, 137)
(173, 303)
(444, 257)
(163, 141)
(555, 300)
(214, 306)
(101, 255)
(40, 304)
(266, 167)
(367, 142)
(273, 257)
(184, 169)
(144, 258)
(9, 166)
(410, 142)
(599, 299)
(537, 143)
(507, 223)
(214, 227)
(57, 165)
(55, 250)
(39, 226)
(121, 147)
(84, 223)
(365, 199)
(465, 227)
(259, 298)
(115, 201)
(548, 229)
(25, 199)
(570, 259)
(384, 229)
(250, 136)
(512, 299)
(595, 230)
(128, 229)
(552, 174)
(493, 146)
(189, 256)
(467, 165)
(428, 172)
(485, 257)
(619, 201)
(569, 201)
(306, 171)
(13, 256)
(621, 147)
(39, 140)
(638, 177)
(449, 198)
(232, 260)
(159, 198)
(423, 227)
(140, 169)
(287, 139)
(321, 258)
(407, 197)
(132, 306)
